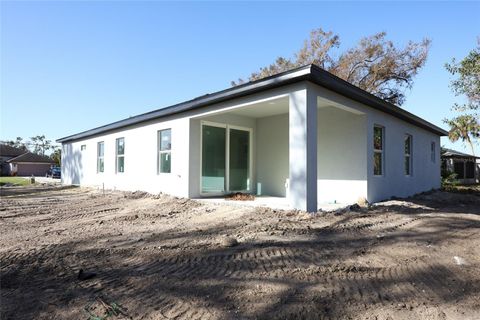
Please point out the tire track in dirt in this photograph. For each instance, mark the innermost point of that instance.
(174, 286)
(345, 284)
(390, 224)
(270, 261)
(56, 213)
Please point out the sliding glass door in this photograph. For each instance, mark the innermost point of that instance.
(213, 159)
(239, 150)
(225, 159)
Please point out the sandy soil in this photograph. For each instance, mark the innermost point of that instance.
(159, 257)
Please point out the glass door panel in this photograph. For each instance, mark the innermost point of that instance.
(239, 160)
(213, 159)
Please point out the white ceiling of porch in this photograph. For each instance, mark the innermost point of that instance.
(264, 109)
(276, 107)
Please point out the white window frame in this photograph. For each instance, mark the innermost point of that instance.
(166, 151)
(227, 155)
(408, 155)
(379, 151)
(118, 156)
(100, 157)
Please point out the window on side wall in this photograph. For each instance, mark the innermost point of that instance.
(432, 151)
(83, 147)
(164, 151)
(100, 157)
(120, 155)
(408, 155)
(378, 147)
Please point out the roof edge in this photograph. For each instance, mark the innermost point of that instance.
(309, 72)
(334, 83)
(274, 81)
(451, 153)
(13, 158)
(47, 160)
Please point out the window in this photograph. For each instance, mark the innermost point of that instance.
(120, 155)
(432, 151)
(83, 147)
(100, 153)
(408, 155)
(164, 151)
(378, 133)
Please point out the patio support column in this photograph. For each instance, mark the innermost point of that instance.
(303, 149)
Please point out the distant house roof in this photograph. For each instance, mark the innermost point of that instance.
(450, 153)
(9, 151)
(310, 73)
(31, 157)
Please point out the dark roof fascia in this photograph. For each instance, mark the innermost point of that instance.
(310, 72)
(275, 81)
(336, 84)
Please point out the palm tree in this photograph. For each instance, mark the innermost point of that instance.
(465, 128)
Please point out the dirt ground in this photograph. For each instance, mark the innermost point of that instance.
(160, 257)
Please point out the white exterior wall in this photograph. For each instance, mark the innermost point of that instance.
(303, 146)
(80, 167)
(344, 152)
(394, 183)
(425, 174)
(272, 155)
(342, 156)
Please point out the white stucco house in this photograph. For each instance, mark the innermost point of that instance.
(304, 135)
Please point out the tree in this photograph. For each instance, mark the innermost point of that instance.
(56, 155)
(18, 143)
(40, 144)
(466, 126)
(375, 64)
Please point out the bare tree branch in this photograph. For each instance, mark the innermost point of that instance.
(375, 64)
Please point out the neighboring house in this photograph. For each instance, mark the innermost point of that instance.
(6, 153)
(465, 166)
(304, 134)
(20, 162)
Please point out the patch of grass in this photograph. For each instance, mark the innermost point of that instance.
(16, 181)
(467, 188)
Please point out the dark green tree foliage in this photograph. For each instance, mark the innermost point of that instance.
(37, 144)
(466, 125)
(375, 65)
(17, 143)
(40, 145)
(56, 155)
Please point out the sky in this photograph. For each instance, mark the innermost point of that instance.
(67, 66)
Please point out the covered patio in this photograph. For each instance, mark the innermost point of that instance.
(296, 148)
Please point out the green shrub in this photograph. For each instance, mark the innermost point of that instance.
(449, 180)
